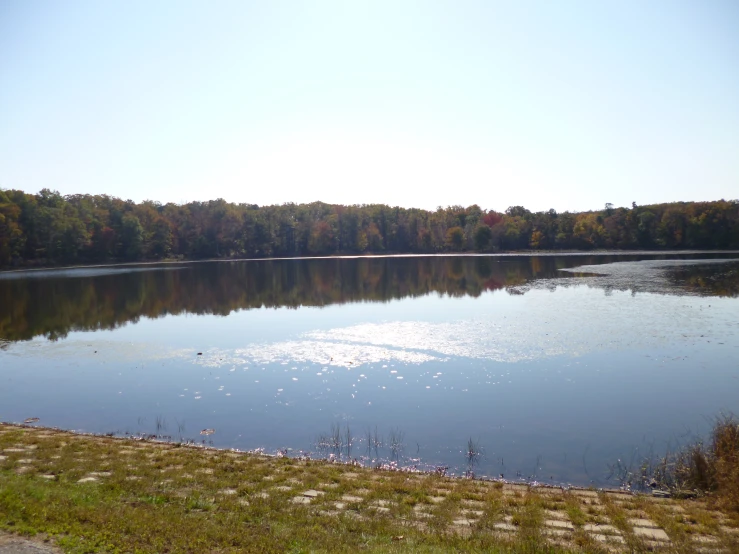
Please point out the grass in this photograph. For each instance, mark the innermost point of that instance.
(153, 497)
(709, 467)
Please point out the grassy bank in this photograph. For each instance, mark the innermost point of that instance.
(705, 467)
(99, 494)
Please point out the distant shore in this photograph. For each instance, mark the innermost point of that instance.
(517, 253)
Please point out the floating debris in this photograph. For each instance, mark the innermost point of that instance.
(207, 431)
(31, 420)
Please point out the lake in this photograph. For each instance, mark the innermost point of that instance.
(545, 368)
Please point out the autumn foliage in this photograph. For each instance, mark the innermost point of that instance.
(48, 228)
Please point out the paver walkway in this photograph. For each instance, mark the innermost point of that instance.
(586, 520)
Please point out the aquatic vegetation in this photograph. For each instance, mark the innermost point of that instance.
(702, 467)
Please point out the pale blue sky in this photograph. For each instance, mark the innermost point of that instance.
(563, 105)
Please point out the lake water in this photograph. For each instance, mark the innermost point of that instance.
(553, 366)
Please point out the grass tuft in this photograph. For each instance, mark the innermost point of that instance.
(703, 467)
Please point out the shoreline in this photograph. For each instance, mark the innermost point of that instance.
(516, 253)
(92, 493)
(156, 441)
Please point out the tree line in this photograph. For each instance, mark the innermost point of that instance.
(48, 228)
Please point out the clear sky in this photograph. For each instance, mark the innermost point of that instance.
(548, 104)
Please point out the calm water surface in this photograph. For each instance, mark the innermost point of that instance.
(554, 366)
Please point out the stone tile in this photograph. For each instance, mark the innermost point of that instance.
(88, 480)
(607, 538)
(595, 508)
(48, 477)
(301, 500)
(639, 522)
(436, 499)
(704, 539)
(505, 527)
(562, 542)
(651, 533)
(604, 529)
(340, 505)
(655, 545)
(313, 493)
(559, 524)
(227, 492)
(473, 503)
(557, 532)
(330, 513)
(283, 488)
(463, 530)
(555, 514)
(383, 503)
(463, 521)
(473, 513)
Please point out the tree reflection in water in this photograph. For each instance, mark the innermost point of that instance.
(51, 304)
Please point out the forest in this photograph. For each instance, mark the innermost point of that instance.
(48, 229)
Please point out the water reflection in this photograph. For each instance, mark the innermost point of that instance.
(54, 303)
(550, 375)
(711, 279)
(700, 277)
